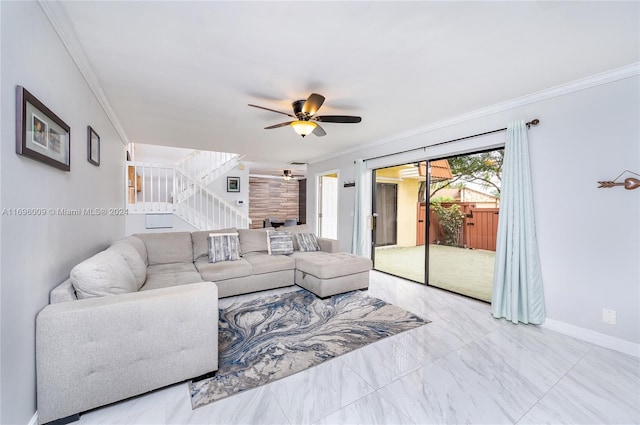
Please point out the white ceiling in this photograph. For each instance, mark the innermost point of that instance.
(182, 73)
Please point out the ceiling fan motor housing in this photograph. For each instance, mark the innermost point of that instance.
(297, 110)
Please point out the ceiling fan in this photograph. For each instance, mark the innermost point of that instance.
(304, 112)
(288, 175)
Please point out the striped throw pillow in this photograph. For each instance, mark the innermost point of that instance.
(223, 247)
(279, 243)
(307, 242)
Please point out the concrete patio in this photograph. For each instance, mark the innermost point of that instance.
(465, 271)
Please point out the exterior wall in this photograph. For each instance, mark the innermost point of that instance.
(407, 211)
(586, 135)
(39, 251)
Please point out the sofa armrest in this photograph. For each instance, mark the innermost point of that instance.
(96, 351)
(329, 245)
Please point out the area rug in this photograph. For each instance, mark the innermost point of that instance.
(269, 338)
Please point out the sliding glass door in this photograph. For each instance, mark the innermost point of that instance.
(444, 215)
(397, 237)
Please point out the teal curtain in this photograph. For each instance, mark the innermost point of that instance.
(517, 282)
(361, 237)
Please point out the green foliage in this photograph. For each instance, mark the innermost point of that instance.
(451, 220)
(439, 199)
(484, 169)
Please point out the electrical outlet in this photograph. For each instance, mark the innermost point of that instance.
(609, 316)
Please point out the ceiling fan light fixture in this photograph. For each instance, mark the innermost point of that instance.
(303, 127)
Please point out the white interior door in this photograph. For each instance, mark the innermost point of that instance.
(328, 207)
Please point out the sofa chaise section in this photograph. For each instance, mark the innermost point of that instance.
(326, 274)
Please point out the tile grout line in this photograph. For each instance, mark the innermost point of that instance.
(554, 385)
(278, 403)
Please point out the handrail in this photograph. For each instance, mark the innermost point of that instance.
(162, 188)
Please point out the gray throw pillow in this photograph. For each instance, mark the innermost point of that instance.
(307, 242)
(223, 247)
(280, 243)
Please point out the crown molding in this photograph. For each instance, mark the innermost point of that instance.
(616, 74)
(54, 10)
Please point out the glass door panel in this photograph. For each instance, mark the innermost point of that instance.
(464, 203)
(399, 233)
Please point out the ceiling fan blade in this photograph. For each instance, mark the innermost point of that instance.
(313, 103)
(319, 131)
(338, 118)
(282, 124)
(272, 110)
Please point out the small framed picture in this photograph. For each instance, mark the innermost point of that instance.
(233, 184)
(41, 134)
(93, 146)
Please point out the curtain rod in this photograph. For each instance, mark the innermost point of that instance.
(533, 122)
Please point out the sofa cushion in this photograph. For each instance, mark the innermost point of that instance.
(280, 243)
(106, 273)
(213, 272)
(165, 275)
(138, 244)
(133, 260)
(253, 240)
(171, 268)
(300, 228)
(165, 280)
(307, 242)
(223, 247)
(168, 247)
(263, 263)
(326, 265)
(200, 243)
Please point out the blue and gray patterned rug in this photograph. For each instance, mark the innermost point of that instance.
(270, 338)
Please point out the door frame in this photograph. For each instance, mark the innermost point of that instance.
(318, 182)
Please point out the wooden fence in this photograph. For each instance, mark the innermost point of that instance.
(478, 231)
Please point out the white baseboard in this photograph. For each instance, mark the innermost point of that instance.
(593, 337)
(34, 419)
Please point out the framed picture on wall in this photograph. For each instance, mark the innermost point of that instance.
(93, 146)
(233, 184)
(41, 134)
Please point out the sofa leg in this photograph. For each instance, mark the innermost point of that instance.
(205, 376)
(65, 420)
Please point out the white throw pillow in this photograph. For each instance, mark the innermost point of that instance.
(106, 273)
(132, 257)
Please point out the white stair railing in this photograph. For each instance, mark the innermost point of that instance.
(207, 166)
(203, 209)
(149, 187)
(154, 188)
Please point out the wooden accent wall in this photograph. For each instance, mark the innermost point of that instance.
(272, 198)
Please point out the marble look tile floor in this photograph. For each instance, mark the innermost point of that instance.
(464, 367)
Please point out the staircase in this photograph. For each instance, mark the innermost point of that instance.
(184, 190)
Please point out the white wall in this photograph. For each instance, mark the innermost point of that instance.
(137, 223)
(219, 187)
(589, 238)
(38, 252)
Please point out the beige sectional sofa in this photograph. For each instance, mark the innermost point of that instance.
(143, 314)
